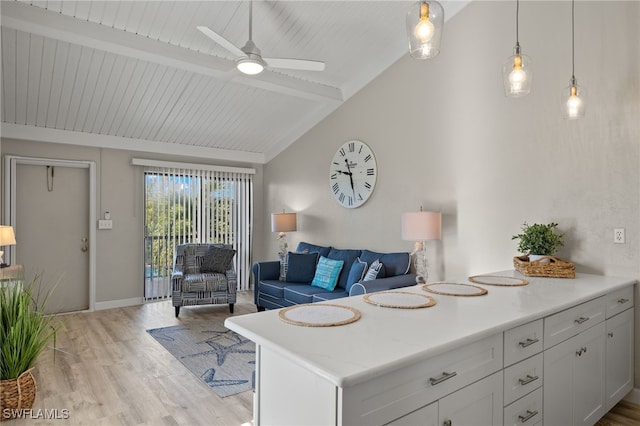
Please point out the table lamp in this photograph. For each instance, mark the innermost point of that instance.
(420, 227)
(7, 238)
(282, 223)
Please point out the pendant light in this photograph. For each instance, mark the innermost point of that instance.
(573, 97)
(516, 71)
(425, 20)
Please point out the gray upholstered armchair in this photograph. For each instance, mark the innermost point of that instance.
(203, 274)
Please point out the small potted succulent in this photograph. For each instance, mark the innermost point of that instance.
(539, 240)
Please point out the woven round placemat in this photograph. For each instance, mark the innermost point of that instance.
(319, 315)
(469, 290)
(399, 300)
(498, 280)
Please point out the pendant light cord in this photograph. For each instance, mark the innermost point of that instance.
(573, 41)
(517, 21)
(250, 20)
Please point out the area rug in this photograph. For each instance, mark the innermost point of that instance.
(221, 358)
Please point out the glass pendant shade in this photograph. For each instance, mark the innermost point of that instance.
(517, 75)
(573, 101)
(425, 20)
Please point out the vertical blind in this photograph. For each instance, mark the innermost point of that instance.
(197, 206)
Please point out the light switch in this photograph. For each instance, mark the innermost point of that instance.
(105, 224)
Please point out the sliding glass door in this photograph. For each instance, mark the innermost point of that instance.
(190, 205)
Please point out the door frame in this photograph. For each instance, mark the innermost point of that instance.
(9, 198)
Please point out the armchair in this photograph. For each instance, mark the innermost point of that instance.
(191, 286)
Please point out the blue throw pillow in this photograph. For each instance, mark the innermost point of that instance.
(301, 267)
(356, 273)
(327, 272)
(376, 270)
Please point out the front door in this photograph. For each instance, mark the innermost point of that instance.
(52, 231)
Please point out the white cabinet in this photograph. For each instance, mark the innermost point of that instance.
(477, 404)
(425, 416)
(619, 357)
(574, 377)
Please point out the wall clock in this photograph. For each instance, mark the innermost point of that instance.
(352, 174)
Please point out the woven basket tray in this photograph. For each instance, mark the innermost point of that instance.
(556, 267)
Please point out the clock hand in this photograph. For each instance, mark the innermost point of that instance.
(344, 173)
(350, 177)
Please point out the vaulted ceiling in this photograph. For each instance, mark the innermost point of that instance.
(138, 74)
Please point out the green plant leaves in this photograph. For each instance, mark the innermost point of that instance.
(539, 239)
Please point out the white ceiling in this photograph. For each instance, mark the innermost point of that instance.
(138, 74)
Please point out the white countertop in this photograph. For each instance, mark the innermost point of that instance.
(385, 339)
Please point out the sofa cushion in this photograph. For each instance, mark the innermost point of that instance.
(217, 259)
(327, 273)
(394, 263)
(336, 294)
(376, 270)
(348, 256)
(301, 267)
(273, 288)
(356, 273)
(310, 248)
(301, 293)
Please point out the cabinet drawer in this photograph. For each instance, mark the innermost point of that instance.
(619, 301)
(388, 397)
(522, 342)
(525, 411)
(566, 324)
(522, 378)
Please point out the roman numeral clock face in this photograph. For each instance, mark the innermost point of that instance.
(352, 174)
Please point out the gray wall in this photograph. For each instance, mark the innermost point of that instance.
(120, 262)
(447, 138)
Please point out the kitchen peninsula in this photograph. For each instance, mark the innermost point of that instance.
(565, 342)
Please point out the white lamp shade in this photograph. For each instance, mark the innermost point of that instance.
(421, 226)
(283, 222)
(7, 237)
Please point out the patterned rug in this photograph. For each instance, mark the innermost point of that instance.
(224, 360)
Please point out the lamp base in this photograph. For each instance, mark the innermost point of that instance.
(419, 256)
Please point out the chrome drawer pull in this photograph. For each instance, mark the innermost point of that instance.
(529, 416)
(610, 334)
(581, 320)
(581, 351)
(445, 376)
(447, 423)
(528, 380)
(528, 342)
(622, 301)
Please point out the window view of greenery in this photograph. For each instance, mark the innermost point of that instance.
(181, 209)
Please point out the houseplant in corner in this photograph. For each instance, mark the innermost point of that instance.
(25, 331)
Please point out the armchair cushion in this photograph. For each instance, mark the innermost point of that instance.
(301, 267)
(217, 259)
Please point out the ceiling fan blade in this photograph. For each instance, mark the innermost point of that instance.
(223, 42)
(295, 64)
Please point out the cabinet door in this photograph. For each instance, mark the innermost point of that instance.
(574, 379)
(619, 357)
(477, 404)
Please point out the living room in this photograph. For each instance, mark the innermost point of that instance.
(445, 138)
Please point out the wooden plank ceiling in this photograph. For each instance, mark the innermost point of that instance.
(139, 75)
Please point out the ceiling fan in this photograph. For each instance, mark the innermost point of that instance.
(249, 59)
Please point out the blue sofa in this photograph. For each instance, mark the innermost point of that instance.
(273, 293)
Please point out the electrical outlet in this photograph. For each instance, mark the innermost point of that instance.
(618, 236)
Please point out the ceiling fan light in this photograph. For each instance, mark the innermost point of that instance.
(250, 66)
(425, 20)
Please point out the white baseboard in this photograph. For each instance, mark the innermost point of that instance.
(633, 396)
(118, 303)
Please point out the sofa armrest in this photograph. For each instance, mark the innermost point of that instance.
(381, 284)
(269, 270)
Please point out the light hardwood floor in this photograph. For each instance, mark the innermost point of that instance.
(109, 371)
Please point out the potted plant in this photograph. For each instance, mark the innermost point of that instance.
(25, 331)
(538, 240)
